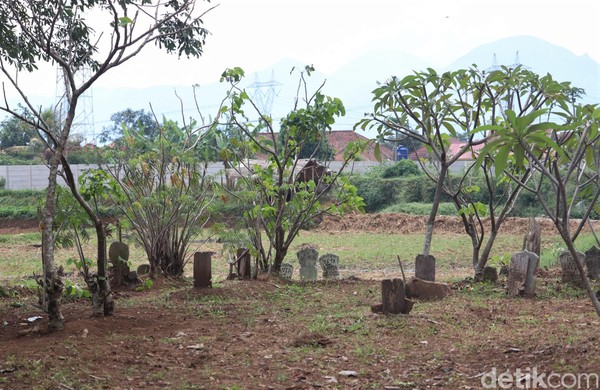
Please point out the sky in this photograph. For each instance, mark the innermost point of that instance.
(328, 33)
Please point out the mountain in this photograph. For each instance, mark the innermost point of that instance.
(352, 83)
(541, 57)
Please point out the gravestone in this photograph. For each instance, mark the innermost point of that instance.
(202, 269)
(286, 271)
(330, 264)
(425, 267)
(521, 274)
(307, 257)
(592, 262)
(118, 254)
(393, 298)
(143, 269)
(490, 274)
(569, 272)
(243, 266)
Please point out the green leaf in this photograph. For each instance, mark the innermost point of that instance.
(124, 21)
(377, 152)
(501, 160)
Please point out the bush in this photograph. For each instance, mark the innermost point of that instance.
(2, 183)
(400, 169)
(376, 192)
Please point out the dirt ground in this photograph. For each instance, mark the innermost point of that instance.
(381, 223)
(277, 334)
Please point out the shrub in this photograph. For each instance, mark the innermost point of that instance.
(400, 169)
(376, 192)
(2, 183)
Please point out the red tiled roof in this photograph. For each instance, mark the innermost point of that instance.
(455, 146)
(338, 141)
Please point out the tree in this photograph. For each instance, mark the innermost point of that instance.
(129, 119)
(164, 191)
(564, 152)
(281, 194)
(58, 32)
(14, 132)
(432, 108)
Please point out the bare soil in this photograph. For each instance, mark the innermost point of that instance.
(277, 334)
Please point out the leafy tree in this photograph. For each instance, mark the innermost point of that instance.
(164, 191)
(130, 119)
(14, 132)
(58, 32)
(280, 194)
(564, 153)
(432, 108)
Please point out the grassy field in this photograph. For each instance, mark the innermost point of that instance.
(360, 254)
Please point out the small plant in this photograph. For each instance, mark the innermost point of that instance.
(146, 285)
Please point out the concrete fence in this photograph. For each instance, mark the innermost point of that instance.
(35, 177)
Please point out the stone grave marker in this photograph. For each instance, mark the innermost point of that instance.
(592, 262)
(330, 265)
(570, 273)
(286, 271)
(307, 257)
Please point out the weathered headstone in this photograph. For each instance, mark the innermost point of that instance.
(244, 268)
(202, 269)
(425, 267)
(393, 297)
(532, 240)
(490, 274)
(592, 262)
(569, 272)
(286, 271)
(118, 254)
(307, 257)
(330, 265)
(521, 274)
(143, 269)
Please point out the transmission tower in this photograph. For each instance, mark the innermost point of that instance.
(494, 66)
(83, 123)
(264, 93)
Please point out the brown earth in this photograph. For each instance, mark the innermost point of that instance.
(281, 335)
(381, 223)
(277, 334)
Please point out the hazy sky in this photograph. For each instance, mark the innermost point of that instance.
(328, 33)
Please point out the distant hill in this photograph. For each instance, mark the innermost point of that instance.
(353, 82)
(540, 56)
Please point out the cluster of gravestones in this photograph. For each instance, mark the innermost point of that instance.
(569, 272)
(308, 259)
(521, 271)
(120, 274)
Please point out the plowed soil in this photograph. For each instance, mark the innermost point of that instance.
(406, 224)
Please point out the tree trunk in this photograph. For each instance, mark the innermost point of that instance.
(434, 210)
(584, 278)
(102, 300)
(485, 255)
(52, 284)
